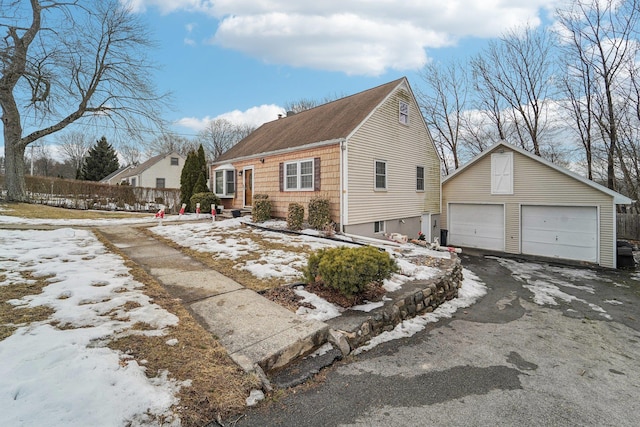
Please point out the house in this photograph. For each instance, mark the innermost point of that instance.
(370, 154)
(509, 200)
(161, 171)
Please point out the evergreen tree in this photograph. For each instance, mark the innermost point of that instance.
(188, 180)
(200, 185)
(101, 161)
(202, 163)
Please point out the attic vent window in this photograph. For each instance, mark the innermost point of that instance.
(175, 161)
(404, 113)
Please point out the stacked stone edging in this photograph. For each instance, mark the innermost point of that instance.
(434, 292)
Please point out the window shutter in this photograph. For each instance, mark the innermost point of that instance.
(316, 174)
(281, 166)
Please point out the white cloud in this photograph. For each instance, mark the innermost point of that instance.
(354, 36)
(254, 116)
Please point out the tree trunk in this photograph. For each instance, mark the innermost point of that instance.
(14, 173)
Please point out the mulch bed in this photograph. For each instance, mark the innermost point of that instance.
(286, 296)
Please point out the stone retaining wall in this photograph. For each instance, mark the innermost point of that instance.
(425, 299)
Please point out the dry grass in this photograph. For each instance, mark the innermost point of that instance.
(36, 211)
(11, 317)
(227, 267)
(218, 386)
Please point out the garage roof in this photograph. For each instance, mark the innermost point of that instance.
(618, 198)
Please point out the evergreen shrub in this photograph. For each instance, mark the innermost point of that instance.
(295, 217)
(206, 199)
(349, 270)
(319, 213)
(261, 208)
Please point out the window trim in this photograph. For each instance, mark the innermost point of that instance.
(225, 172)
(299, 175)
(420, 179)
(381, 226)
(403, 117)
(177, 161)
(375, 175)
(164, 183)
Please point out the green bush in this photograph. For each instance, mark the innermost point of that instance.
(206, 200)
(295, 217)
(261, 208)
(350, 270)
(319, 213)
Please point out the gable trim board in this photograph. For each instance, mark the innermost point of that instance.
(550, 211)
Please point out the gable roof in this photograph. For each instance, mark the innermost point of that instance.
(330, 122)
(114, 173)
(137, 170)
(618, 198)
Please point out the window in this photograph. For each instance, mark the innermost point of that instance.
(224, 184)
(133, 182)
(159, 182)
(299, 175)
(404, 113)
(502, 173)
(381, 175)
(419, 178)
(378, 227)
(175, 161)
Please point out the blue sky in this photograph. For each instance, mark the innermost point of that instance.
(244, 59)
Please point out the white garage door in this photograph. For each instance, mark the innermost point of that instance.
(476, 226)
(568, 232)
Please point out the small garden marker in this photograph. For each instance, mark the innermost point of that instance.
(160, 215)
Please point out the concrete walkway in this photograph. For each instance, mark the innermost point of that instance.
(254, 330)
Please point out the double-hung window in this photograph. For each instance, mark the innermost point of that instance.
(419, 178)
(299, 175)
(225, 182)
(404, 113)
(381, 175)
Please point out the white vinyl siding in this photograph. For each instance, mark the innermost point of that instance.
(381, 137)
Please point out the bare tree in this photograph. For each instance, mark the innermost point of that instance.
(443, 104)
(169, 142)
(130, 153)
(220, 134)
(69, 61)
(518, 71)
(74, 147)
(601, 39)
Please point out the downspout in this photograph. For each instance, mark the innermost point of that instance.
(343, 149)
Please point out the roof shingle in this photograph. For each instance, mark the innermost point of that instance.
(332, 121)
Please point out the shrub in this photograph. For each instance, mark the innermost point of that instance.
(319, 213)
(206, 200)
(350, 270)
(295, 217)
(261, 208)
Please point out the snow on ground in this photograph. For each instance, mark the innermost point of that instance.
(9, 220)
(67, 376)
(546, 289)
(231, 239)
(471, 290)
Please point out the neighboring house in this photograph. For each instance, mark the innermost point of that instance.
(509, 200)
(370, 154)
(115, 177)
(162, 171)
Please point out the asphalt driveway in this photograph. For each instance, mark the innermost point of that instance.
(549, 345)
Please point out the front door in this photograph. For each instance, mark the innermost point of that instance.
(248, 187)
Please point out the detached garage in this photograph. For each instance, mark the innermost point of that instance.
(509, 200)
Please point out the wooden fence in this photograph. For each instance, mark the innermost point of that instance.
(628, 226)
(92, 195)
